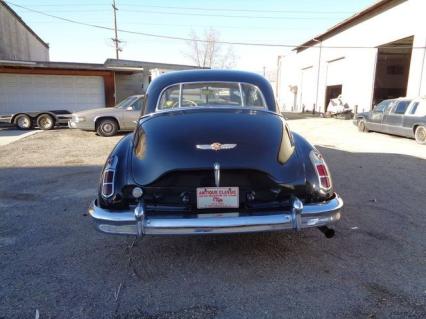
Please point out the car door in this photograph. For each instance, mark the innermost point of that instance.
(374, 121)
(415, 115)
(132, 114)
(393, 120)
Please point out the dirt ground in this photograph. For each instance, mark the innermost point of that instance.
(52, 260)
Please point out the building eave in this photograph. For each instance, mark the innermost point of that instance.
(66, 66)
(142, 64)
(368, 12)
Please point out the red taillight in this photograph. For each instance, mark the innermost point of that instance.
(108, 183)
(321, 170)
(108, 176)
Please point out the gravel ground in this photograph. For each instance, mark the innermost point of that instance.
(52, 261)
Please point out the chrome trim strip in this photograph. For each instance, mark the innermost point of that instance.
(301, 216)
(216, 167)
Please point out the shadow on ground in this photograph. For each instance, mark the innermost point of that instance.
(53, 260)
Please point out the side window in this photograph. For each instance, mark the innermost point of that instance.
(170, 98)
(401, 107)
(414, 108)
(137, 105)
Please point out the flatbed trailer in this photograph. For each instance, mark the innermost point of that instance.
(45, 120)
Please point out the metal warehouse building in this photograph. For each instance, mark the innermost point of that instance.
(378, 53)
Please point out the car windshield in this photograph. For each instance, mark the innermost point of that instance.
(211, 94)
(126, 102)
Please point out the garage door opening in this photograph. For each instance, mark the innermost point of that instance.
(392, 68)
(332, 92)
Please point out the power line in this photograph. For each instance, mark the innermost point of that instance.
(240, 10)
(202, 26)
(283, 45)
(192, 14)
(194, 8)
(227, 16)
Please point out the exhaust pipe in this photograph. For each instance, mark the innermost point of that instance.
(328, 232)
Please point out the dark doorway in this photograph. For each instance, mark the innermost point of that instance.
(331, 92)
(392, 68)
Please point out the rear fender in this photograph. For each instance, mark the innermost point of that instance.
(122, 151)
(303, 148)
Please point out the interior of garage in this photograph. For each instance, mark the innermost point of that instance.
(392, 69)
(332, 92)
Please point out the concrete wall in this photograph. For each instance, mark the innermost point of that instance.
(357, 66)
(17, 42)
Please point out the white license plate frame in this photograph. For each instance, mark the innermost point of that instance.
(218, 197)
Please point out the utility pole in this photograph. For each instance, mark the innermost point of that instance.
(115, 39)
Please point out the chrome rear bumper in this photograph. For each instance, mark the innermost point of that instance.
(137, 223)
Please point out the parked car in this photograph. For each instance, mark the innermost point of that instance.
(44, 120)
(403, 117)
(211, 154)
(107, 121)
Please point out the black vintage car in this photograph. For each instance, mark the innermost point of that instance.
(403, 117)
(212, 154)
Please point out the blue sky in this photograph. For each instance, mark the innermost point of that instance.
(267, 21)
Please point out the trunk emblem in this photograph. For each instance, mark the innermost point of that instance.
(215, 146)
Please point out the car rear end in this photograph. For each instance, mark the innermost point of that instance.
(233, 171)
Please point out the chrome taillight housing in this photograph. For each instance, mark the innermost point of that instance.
(108, 177)
(324, 179)
(108, 183)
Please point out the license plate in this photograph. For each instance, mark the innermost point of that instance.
(217, 197)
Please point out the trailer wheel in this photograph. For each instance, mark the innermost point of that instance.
(45, 122)
(23, 122)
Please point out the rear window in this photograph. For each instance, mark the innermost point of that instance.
(418, 108)
(211, 94)
(414, 108)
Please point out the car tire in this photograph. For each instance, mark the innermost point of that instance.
(361, 126)
(107, 127)
(420, 134)
(23, 122)
(45, 122)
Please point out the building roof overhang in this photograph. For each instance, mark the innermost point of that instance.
(372, 10)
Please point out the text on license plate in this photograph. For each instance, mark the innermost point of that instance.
(217, 197)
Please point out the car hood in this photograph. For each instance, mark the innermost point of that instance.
(171, 141)
(98, 111)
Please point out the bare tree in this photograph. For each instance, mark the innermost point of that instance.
(206, 52)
